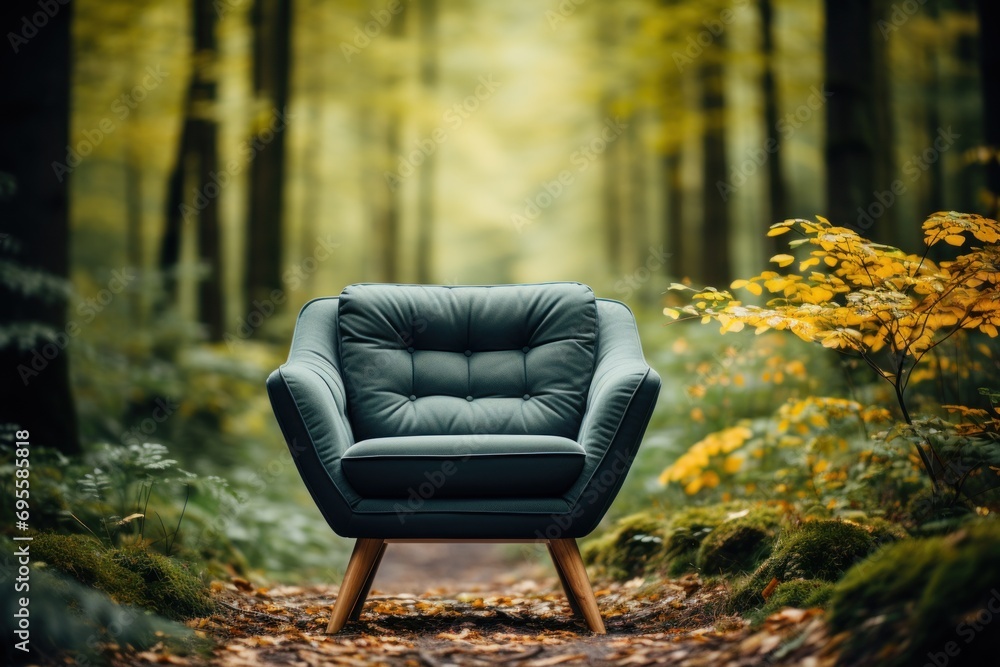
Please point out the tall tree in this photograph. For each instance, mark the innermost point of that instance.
(194, 186)
(850, 119)
(776, 190)
(428, 82)
(272, 23)
(34, 227)
(989, 20)
(715, 252)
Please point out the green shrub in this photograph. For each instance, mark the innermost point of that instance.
(821, 550)
(687, 529)
(918, 595)
(738, 545)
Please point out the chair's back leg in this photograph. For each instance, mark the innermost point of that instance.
(359, 605)
(569, 564)
(360, 571)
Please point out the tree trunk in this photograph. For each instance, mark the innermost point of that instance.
(271, 68)
(850, 123)
(892, 228)
(989, 19)
(428, 82)
(674, 213)
(35, 392)
(715, 251)
(777, 194)
(388, 214)
(193, 190)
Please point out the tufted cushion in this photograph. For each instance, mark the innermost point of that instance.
(437, 360)
(463, 466)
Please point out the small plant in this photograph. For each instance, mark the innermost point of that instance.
(872, 301)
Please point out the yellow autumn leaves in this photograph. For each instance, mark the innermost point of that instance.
(855, 295)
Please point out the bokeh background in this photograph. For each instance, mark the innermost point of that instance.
(178, 178)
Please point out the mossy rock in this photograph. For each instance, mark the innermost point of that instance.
(799, 593)
(629, 548)
(738, 545)
(688, 528)
(169, 588)
(884, 532)
(928, 594)
(821, 550)
(87, 560)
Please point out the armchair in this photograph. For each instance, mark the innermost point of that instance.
(472, 413)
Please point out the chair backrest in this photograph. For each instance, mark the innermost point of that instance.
(438, 360)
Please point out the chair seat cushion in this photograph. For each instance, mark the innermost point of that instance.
(422, 467)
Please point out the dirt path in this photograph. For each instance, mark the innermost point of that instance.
(436, 605)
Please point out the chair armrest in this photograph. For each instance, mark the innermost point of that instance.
(310, 403)
(620, 402)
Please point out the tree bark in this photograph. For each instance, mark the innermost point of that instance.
(989, 19)
(850, 121)
(271, 66)
(193, 190)
(776, 190)
(715, 252)
(35, 391)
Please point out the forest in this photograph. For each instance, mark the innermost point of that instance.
(797, 199)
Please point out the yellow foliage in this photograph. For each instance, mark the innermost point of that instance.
(869, 299)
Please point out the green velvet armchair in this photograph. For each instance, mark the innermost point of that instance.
(469, 413)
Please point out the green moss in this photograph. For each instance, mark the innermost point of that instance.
(129, 575)
(169, 588)
(937, 513)
(686, 531)
(821, 550)
(738, 545)
(799, 593)
(884, 532)
(87, 560)
(926, 593)
(628, 550)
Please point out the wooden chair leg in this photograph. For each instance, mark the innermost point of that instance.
(569, 563)
(363, 558)
(570, 596)
(359, 605)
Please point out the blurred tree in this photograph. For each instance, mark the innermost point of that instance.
(989, 20)
(272, 21)
(35, 165)
(777, 194)
(194, 186)
(715, 254)
(428, 80)
(849, 153)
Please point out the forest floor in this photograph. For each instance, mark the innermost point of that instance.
(439, 604)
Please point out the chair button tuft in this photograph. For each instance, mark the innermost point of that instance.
(412, 397)
(526, 349)
(468, 353)
(410, 350)
(526, 396)
(468, 398)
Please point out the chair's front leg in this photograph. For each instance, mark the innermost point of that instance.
(357, 580)
(569, 564)
(359, 605)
